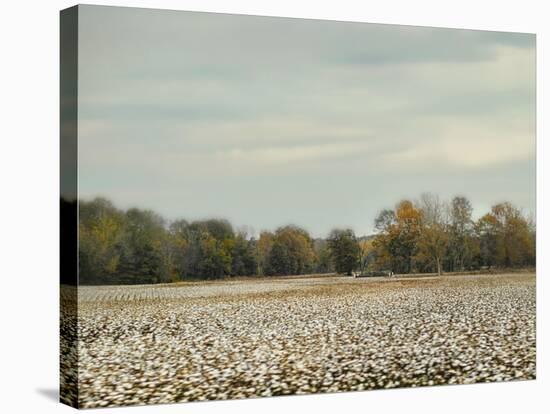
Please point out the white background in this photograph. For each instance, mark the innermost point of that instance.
(29, 159)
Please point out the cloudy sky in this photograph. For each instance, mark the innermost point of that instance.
(270, 121)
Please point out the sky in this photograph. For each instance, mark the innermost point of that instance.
(271, 121)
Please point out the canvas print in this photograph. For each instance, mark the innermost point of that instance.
(264, 206)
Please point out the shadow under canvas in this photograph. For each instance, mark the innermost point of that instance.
(51, 394)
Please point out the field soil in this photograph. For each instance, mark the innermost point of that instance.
(280, 336)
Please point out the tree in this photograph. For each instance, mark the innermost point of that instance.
(244, 261)
(344, 250)
(506, 237)
(323, 260)
(366, 254)
(279, 262)
(462, 244)
(145, 256)
(486, 229)
(101, 230)
(532, 230)
(214, 257)
(180, 248)
(220, 229)
(385, 220)
(434, 237)
(396, 242)
(291, 252)
(515, 245)
(263, 249)
(203, 249)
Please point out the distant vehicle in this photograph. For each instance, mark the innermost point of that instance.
(374, 273)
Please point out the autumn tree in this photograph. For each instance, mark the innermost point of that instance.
(366, 254)
(385, 224)
(397, 238)
(101, 232)
(181, 248)
(532, 230)
(434, 237)
(209, 250)
(515, 246)
(214, 259)
(291, 252)
(263, 250)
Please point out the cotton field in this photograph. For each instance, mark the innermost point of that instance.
(282, 336)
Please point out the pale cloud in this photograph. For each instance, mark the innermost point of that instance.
(462, 150)
(259, 158)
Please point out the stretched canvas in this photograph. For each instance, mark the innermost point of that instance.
(262, 206)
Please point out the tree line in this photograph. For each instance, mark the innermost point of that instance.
(138, 246)
(431, 235)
